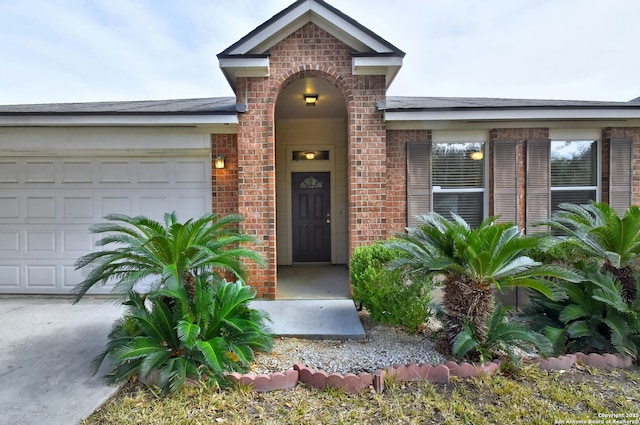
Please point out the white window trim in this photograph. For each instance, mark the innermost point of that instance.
(485, 197)
(598, 186)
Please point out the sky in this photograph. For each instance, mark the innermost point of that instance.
(103, 50)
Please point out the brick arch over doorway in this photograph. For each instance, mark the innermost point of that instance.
(328, 74)
(309, 52)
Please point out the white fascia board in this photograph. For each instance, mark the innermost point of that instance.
(321, 14)
(272, 30)
(375, 65)
(117, 120)
(512, 114)
(309, 12)
(252, 67)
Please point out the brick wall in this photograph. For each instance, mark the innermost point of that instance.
(309, 52)
(224, 182)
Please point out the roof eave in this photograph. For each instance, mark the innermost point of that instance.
(114, 119)
(383, 64)
(234, 66)
(501, 114)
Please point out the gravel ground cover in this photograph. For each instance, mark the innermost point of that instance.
(384, 346)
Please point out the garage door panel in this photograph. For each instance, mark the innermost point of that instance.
(9, 241)
(41, 207)
(77, 242)
(40, 172)
(77, 172)
(153, 172)
(77, 207)
(41, 276)
(9, 278)
(41, 241)
(9, 207)
(44, 227)
(9, 172)
(115, 172)
(191, 172)
(114, 204)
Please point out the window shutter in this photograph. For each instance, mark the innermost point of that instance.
(418, 180)
(538, 184)
(505, 180)
(620, 174)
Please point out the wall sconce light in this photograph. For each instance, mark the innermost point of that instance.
(219, 162)
(310, 99)
(477, 155)
(309, 155)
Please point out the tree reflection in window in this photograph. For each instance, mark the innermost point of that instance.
(310, 182)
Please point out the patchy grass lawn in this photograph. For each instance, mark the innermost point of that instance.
(533, 397)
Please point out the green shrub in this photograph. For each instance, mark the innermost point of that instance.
(190, 325)
(169, 337)
(387, 295)
(590, 316)
(503, 336)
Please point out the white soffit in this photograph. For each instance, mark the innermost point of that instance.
(377, 65)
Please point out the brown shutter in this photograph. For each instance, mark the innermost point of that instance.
(620, 174)
(538, 184)
(505, 180)
(418, 180)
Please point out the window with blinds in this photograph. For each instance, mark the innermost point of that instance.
(458, 180)
(574, 172)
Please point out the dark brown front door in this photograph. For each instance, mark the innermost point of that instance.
(311, 212)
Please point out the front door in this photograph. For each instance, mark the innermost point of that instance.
(311, 212)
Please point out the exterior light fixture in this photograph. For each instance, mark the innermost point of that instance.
(309, 155)
(310, 99)
(219, 162)
(477, 155)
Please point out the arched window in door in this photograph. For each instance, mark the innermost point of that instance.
(310, 182)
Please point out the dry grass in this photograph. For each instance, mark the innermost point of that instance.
(533, 397)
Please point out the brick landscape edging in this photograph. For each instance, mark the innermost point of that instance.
(439, 374)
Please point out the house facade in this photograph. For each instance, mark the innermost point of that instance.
(311, 151)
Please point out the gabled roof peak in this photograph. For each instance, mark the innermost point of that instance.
(249, 56)
(327, 17)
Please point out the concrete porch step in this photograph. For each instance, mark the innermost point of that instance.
(313, 319)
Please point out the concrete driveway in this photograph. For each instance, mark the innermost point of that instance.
(46, 348)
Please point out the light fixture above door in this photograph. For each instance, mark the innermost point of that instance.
(310, 99)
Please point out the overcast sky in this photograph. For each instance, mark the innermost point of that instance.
(100, 50)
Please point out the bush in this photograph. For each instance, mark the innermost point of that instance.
(386, 294)
(503, 336)
(190, 324)
(590, 316)
(169, 337)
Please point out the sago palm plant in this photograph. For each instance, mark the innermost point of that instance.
(601, 233)
(190, 323)
(503, 336)
(170, 337)
(138, 249)
(473, 263)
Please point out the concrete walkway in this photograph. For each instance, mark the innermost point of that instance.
(47, 345)
(313, 319)
(46, 348)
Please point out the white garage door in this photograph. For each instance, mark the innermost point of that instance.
(48, 204)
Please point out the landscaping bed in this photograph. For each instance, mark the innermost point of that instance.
(529, 396)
